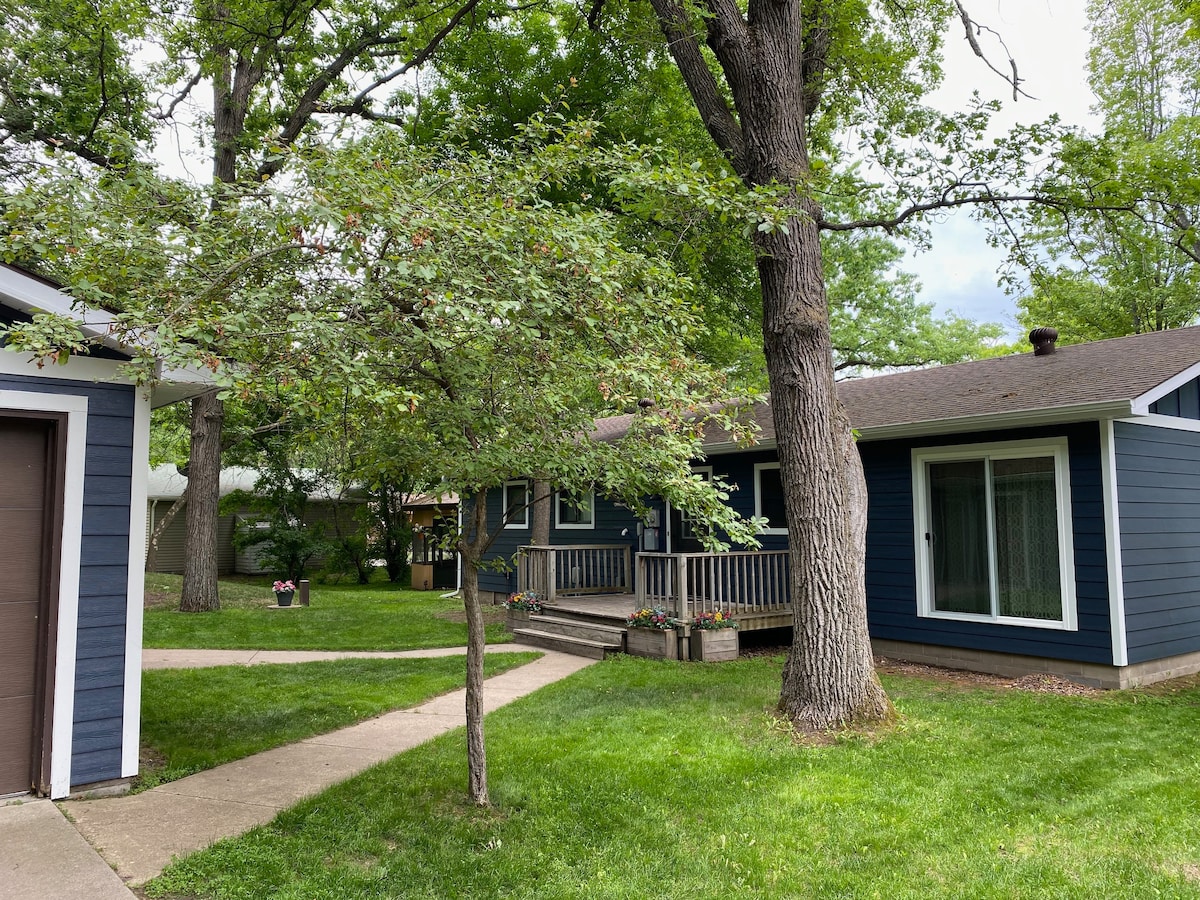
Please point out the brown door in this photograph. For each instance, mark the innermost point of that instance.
(25, 447)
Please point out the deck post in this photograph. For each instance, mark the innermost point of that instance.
(551, 575)
(681, 595)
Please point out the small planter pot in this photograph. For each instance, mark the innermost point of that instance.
(716, 645)
(284, 598)
(652, 642)
(517, 618)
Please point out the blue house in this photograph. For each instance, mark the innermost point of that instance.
(1030, 513)
(74, 443)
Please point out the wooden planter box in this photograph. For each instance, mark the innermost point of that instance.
(718, 645)
(652, 642)
(517, 618)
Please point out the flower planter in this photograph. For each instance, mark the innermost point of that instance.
(518, 618)
(714, 645)
(284, 598)
(652, 642)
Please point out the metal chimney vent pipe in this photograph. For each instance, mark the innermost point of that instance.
(1043, 340)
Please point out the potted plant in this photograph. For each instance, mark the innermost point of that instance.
(284, 591)
(714, 637)
(521, 606)
(652, 633)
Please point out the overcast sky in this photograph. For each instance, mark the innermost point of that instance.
(1048, 40)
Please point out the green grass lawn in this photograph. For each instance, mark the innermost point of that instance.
(637, 779)
(194, 719)
(341, 617)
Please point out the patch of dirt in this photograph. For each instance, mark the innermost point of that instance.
(1037, 683)
(491, 615)
(160, 599)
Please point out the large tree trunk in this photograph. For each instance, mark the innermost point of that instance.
(540, 521)
(829, 679)
(774, 63)
(471, 547)
(200, 516)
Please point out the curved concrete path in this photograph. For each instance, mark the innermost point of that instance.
(139, 835)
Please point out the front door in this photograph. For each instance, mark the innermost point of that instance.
(26, 446)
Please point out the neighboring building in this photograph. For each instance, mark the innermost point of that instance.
(434, 566)
(166, 485)
(1026, 513)
(74, 441)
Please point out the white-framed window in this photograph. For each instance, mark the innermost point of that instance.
(516, 504)
(574, 510)
(687, 525)
(768, 498)
(993, 533)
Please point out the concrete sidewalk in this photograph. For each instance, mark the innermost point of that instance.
(139, 835)
(42, 856)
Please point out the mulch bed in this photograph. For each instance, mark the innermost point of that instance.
(1038, 683)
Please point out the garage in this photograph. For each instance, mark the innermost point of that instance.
(27, 447)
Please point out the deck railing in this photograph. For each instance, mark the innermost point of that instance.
(575, 569)
(687, 584)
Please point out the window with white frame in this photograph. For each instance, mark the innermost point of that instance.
(516, 504)
(768, 498)
(575, 510)
(993, 533)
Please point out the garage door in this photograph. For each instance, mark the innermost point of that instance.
(24, 449)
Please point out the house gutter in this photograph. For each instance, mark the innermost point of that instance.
(1030, 418)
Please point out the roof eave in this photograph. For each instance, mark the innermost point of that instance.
(1028, 418)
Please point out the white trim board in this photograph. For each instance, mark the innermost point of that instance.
(1112, 541)
(63, 703)
(135, 587)
(1141, 405)
(1171, 423)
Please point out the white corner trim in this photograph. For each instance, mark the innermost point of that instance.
(1141, 405)
(136, 586)
(1112, 540)
(63, 703)
(1172, 423)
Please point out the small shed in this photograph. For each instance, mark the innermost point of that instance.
(74, 441)
(433, 517)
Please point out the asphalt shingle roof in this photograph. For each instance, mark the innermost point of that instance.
(1077, 375)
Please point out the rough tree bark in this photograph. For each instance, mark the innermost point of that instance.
(472, 545)
(773, 65)
(200, 517)
(539, 532)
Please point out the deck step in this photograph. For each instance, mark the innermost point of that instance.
(565, 643)
(578, 628)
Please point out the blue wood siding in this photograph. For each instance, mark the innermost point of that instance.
(104, 572)
(1183, 402)
(1158, 494)
(891, 554)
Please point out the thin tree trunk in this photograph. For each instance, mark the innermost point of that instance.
(204, 479)
(160, 529)
(540, 522)
(472, 545)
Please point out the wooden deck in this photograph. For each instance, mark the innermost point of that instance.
(614, 609)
